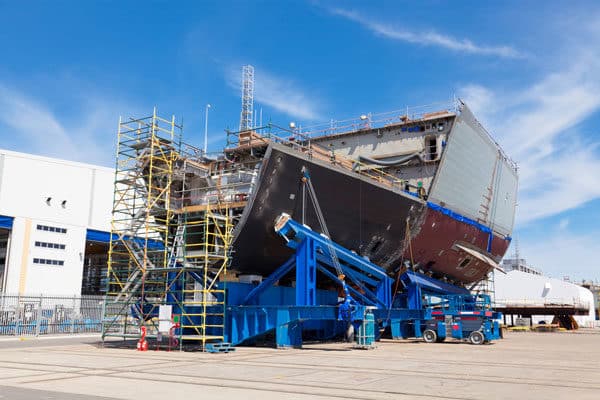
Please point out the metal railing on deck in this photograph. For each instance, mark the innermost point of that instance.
(302, 143)
(49, 315)
(378, 120)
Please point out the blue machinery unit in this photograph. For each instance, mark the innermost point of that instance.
(461, 317)
(426, 307)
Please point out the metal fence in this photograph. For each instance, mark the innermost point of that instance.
(49, 315)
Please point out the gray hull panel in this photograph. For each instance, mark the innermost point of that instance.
(474, 178)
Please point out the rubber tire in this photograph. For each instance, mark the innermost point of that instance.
(476, 338)
(429, 336)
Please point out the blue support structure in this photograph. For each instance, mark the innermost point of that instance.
(419, 285)
(253, 311)
(270, 281)
(306, 273)
(285, 310)
(312, 248)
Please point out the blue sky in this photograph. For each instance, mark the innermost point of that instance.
(531, 73)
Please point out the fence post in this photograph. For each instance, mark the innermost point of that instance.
(102, 317)
(18, 312)
(73, 316)
(38, 317)
(4, 320)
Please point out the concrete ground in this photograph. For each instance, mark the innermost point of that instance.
(524, 365)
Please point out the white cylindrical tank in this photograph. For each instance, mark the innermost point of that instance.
(521, 289)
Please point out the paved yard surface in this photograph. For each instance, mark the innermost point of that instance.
(524, 365)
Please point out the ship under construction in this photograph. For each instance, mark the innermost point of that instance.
(425, 189)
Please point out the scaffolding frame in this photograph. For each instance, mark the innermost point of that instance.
(162, 253)
(147, 149)
(487, 286)
(205, 259)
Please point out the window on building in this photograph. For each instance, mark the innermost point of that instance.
(58, 246)
(46, 261)
(51, 229)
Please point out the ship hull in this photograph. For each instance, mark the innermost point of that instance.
(438, 246)
(361, 215)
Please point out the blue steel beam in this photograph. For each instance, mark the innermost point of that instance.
(343, 254)
(357, 280)
(355, 277)
(431, 285)
(306, 273)
(325, 258)
(354, 292)
(356, 268)
(247, 322)
(270, 280)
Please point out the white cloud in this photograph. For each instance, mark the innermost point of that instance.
(536, 125)
(482, 101)
(563, 224)
(564, 253)
(426, 38)
(558, 182)
(35, 128)
(283, 94)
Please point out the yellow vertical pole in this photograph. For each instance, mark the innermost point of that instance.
(205, 270)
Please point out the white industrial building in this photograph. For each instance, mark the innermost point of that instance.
(54, 225)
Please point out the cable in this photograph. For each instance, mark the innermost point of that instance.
(321, 219)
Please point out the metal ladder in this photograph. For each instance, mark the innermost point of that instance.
(177, 248)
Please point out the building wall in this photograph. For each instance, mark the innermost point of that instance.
(593, 287)
(513, 264)
(53, 203)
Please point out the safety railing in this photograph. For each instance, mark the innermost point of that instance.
(223, 186)
(301, 143)
(49, 315)
(378, 120)
(455, 303)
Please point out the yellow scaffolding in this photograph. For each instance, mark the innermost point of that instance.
(206, 256)
(147, 149)
(161, 251)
